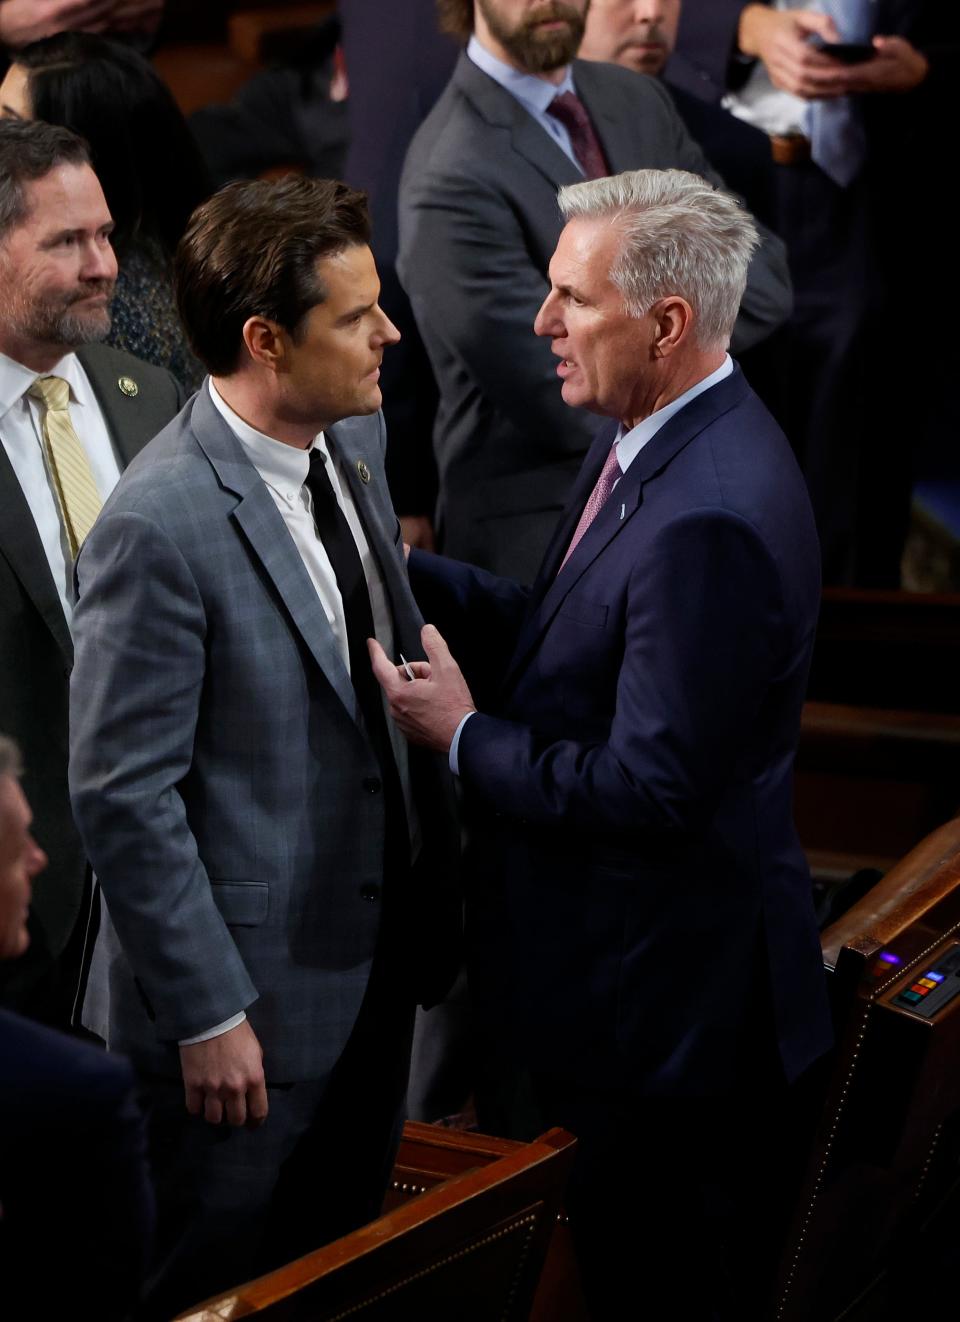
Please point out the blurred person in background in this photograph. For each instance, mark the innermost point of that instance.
(148, 165)
(74, 1187)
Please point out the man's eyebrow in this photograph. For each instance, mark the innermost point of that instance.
(353, 312)
(72, 231)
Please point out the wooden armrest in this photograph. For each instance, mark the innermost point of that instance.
(923, 879)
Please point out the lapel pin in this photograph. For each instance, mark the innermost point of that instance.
(364, 471)
(623, 511)
(128, 387)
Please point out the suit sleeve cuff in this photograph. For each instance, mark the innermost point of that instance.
(455, 744)
(225, 1027)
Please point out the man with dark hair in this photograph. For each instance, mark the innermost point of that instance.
(478, 223)
(74, 1185)
(72, 413)
(276, 866)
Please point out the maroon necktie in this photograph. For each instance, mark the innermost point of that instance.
(572, 114)
(610, 474)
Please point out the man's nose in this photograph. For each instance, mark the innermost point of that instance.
(648, 11)
(100, 261)
(546, 321)
(36, 858)
(390, 334)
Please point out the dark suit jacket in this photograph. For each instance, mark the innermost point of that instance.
(36, 655)
(76, 1203)
(478, 225)
(637, 890)
(223, 782)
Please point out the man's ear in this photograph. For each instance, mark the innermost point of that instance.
(265, 341)
(673, 317)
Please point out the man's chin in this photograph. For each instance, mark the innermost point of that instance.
(74, 330)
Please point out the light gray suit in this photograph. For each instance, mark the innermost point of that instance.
(234, 813)
(478, 225)
(221, 781)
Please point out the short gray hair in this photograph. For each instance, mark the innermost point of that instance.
(29, 150)
(680, 236)
(10, 762)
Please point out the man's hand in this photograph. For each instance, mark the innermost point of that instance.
(23, 21)
(780, 39)
(896, 67)
(223, 1078)
(417, 531)
(427, 709)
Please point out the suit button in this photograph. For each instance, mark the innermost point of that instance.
(370, 893)
(372, 785)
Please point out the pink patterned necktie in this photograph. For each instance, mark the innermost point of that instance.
(572, 114)
(609, 474)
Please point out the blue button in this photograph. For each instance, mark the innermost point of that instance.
(935, 977)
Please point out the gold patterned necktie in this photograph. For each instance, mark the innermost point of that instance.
(77, 493)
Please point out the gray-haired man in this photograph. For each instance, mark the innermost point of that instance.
(640, 923)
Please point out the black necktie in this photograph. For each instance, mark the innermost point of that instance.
(339, 544)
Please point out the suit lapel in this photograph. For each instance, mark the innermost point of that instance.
(130, 419)
(615, 125)
(21, 546)
(552, 587)
(496, 105)
(264, 529)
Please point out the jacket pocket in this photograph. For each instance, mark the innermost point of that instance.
(591, 613)
(241, 903)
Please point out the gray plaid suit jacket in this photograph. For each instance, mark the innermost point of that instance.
(222, 784)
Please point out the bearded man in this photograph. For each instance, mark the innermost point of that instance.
(72, 414)
(519, 119)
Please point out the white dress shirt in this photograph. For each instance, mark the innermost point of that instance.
(284, 470)
(629, 444)
(769, 108)
(21, 432)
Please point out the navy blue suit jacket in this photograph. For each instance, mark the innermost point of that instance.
(76, 1203)
(638, 893)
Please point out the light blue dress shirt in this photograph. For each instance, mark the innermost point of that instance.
(533, 93)
(628, 446)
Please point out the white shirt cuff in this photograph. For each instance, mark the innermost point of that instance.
(455, 744)
(225, 1027)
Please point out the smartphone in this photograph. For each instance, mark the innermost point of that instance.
(847, 52)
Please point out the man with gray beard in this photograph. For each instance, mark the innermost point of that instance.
(72, 414)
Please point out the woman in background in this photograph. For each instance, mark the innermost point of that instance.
(147, 162)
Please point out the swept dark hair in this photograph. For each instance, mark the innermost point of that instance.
(29, 151)
(148, 164)
(251, 250)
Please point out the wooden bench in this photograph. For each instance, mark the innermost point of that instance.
(469, 1223)
(878, 766)
(879, 1200)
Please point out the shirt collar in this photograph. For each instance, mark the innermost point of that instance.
(283, 467)
(16, 380)
(629, 444)
(534, 93)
